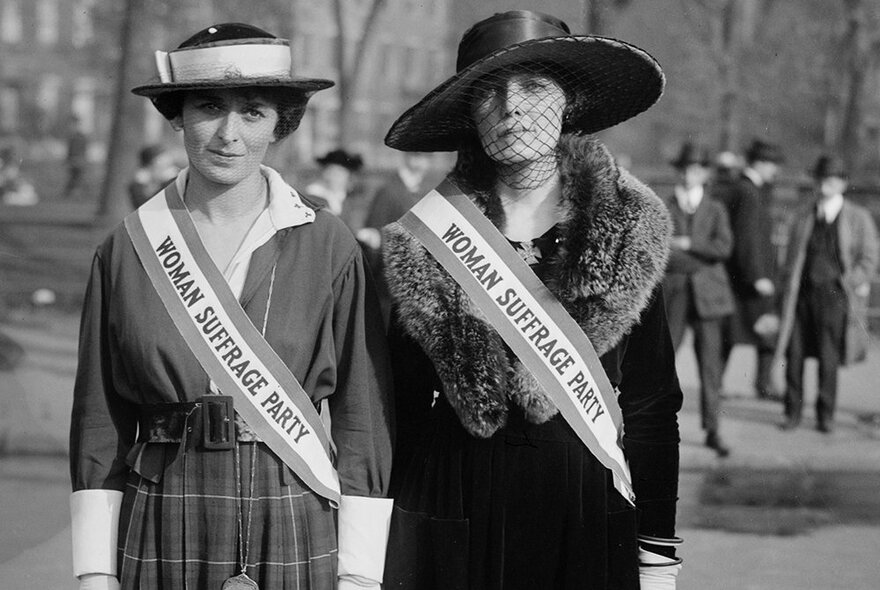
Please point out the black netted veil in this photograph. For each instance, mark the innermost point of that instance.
(606, 81)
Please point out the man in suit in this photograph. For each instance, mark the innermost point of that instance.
(832, 257)
(393, 199)
(696, 287)
(752, 264)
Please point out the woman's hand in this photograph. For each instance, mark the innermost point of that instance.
(680, 243)
(765, 287)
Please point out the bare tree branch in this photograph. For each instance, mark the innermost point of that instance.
(365, 42)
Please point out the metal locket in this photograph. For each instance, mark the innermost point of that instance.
(240, 582)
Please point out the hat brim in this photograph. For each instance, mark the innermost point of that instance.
(293, 84)
(609, 81)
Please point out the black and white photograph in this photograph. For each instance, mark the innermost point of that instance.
(439, 294)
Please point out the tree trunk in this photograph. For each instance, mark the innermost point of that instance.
(352, 71)
(728, 51)
(596, 14)
(858, 59)
(127, 128)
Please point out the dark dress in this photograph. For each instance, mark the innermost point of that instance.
(529, 507)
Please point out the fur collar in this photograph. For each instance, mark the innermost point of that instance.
(614, 245)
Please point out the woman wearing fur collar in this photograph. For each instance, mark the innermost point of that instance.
(493, 488)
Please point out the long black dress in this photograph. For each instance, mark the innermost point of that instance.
(530, 507)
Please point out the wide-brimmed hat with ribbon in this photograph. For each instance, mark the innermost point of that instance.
(228, 55)
(606, 81)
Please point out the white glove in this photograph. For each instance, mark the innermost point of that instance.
(363, 536)
(98, 582)
(657, 572)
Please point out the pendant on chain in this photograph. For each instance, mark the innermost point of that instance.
(240, 582)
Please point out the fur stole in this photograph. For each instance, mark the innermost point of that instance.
(612, 253)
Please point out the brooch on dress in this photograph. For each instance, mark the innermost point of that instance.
(528, 252)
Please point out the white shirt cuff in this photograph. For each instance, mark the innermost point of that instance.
(94, 519)
(363, 536)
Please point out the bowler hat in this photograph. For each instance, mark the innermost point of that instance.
(228, 55)
(340, 157)
(691, 154)
(827, 166)
(606, 81)
(764, 151)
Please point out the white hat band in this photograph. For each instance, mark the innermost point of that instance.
(224, 62)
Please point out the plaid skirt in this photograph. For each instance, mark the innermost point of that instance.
(193, 528)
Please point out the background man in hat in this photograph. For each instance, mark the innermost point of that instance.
(832, 255)
(752, 264)
(696, 286)
(391, 201)
(331, 189)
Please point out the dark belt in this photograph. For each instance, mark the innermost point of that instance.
(210, 420)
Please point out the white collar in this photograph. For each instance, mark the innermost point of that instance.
(829, 209)
(753, 175)
(411, 180)
(689, 199)
(285, 209)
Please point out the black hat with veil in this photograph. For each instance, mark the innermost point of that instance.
(606, 81)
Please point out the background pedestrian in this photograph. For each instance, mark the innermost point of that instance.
(752, 264)
(696, 288)
(832, 257)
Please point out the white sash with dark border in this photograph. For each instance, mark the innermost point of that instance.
(227, 345)
(527, 316)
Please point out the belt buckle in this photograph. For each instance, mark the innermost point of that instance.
(218, 424)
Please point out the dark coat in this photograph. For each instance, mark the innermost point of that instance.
(391, 201)
(700, 271)
(753, 256)
(858, 248)
(612, 251)
(615, 245)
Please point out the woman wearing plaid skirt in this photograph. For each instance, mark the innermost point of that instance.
(172, 488)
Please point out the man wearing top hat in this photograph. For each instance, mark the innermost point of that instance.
(752, 264)
(832, 256)
(696, 286)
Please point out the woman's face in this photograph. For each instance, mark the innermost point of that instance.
(226, 132)
(519, 118)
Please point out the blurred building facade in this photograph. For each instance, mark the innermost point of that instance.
(60, 59)
(408, 55)
(50, 72)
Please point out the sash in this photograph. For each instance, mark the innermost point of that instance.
(226, 343)
(528, 317)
